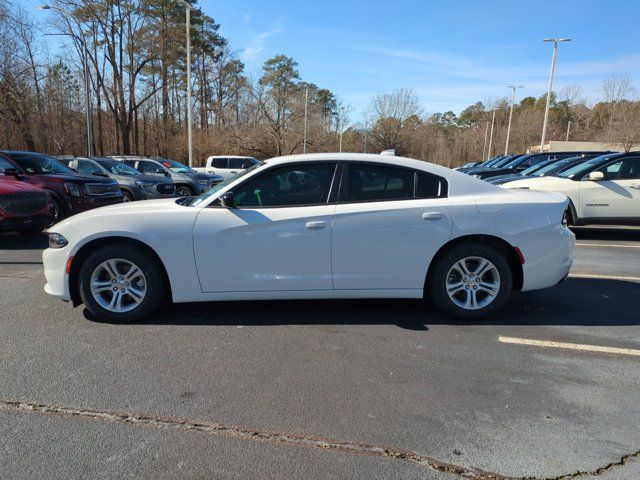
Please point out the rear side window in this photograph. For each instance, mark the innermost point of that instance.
(219, 162)
(376, 182)
(430, 186)
(370, 182)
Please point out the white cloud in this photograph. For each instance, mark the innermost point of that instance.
(257, 43)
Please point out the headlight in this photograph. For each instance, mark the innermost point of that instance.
(57, 240)
(204, 182)
(72, 189)
(146, 185)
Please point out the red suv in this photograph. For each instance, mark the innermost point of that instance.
(71, 193)
(24, 208)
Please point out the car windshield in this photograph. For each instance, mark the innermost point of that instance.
(554, 166)
(175, 166)
(38, 164)
(582, 168)
(536, 167)
(118, 168)
(4, 164)
(504, 162)
(212, 191)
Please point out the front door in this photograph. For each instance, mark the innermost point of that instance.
(277, 238)
(615, 197)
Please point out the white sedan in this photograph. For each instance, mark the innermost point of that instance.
(602, 190)
(311, 227)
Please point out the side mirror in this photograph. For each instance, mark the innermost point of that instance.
(13, 171)
(595, 176)
(228, 200)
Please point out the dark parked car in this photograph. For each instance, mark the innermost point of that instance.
(71, 193)
(24, 208)
(487, 163)
(188, 181)
(521, 163)
(543, 169)
(134, 185)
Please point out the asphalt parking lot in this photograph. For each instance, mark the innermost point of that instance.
(335, 389)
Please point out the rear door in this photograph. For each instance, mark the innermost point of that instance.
(617, 197)
(389, 223)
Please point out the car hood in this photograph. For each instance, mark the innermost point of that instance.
(534, 183)
(8, 186)
(141, 178)
(207, 176)
(75, 178)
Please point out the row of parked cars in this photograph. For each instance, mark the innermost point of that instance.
(37, 190)
(602, 187)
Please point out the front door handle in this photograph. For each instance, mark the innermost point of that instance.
(315, 225)
(233, 171)
(636, 186)
(432, 216)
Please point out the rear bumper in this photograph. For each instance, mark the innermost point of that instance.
(552, 261)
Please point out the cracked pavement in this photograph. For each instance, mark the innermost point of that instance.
(290, 378)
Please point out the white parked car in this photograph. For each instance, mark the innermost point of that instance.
(227, 165)
(311, 227)
(603, 190)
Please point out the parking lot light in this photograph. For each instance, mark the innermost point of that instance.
(553, 67)
(513, 99)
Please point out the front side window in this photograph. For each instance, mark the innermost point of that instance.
(219, 162)
(150, 168)
(625, 169)
(288, 186)
(367, 182)
(86, 168)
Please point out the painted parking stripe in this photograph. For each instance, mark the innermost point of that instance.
(569, 346)
(610, 245)
(604, 277)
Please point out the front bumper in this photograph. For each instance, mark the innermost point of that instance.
(9, 224)
(82, 204)
(55, 264)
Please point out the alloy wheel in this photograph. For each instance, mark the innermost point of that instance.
(473, 283)
(118, 285)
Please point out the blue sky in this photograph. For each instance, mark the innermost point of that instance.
(452, 53)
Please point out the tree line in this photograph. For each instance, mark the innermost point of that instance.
(134, 52)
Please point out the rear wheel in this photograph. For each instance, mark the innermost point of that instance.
(121, 284)
(470, 281)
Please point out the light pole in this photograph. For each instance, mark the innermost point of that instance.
(486, 134)
(85, 67)
(187, 7)
(306, 102)
(513, 100)
(493, 119)
(553, 67)
(366, 132)
(566, 140)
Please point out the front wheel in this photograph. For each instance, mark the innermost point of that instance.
(183, 191)
(121, 284)
(470, 281)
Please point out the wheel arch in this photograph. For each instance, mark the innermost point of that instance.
(509, 250)
(83, 253)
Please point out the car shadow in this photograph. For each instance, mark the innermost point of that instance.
(578, 302)
(15, 241)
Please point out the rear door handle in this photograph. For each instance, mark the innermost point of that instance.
(432, 215)
(315, 225)
(233, 171)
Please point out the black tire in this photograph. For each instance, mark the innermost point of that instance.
(58, 210)
(127, 196)
(568, 217)
(436, 287)
(184, 191)
(156, 288)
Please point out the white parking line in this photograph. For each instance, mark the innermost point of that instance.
(610, 245)
(604, 277)
(570, 346)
